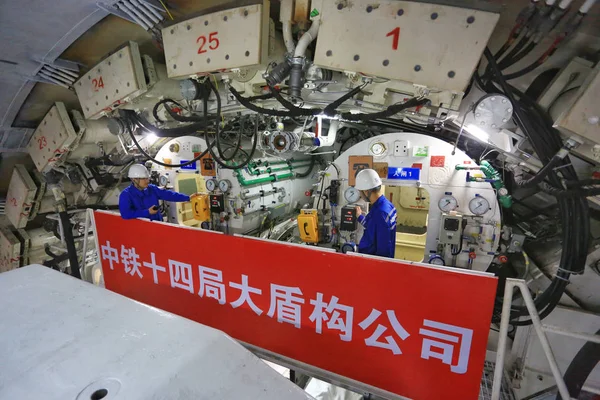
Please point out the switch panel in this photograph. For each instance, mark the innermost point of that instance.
(401, 148)
(348, 223)
(451, 229)
(217, 203)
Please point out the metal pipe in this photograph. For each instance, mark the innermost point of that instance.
(52, 79)
(137, 12)
(578, 335)
(307, 39)
(150, 9)
(285, 16)
(585, 7)
(501, 351)
(126, 9)
(59, 72)
(537, 324)
(85, 238)
(144, 11)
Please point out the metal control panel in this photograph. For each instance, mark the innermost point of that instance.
(20, 197)
(348, 222)
(233, 38)
(112, 82)
(217, 203)
(52, 138)
(451, 229)
(429, 44)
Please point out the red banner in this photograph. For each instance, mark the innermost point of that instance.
(410, 329)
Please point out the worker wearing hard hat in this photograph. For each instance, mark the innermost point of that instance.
(379, 236)
(140, 199)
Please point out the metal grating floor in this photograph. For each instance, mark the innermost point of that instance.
(487, 379)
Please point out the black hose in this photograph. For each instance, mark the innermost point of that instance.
(541, 175)
(519, 56)
(537, 126)
(71, 250)
(129, 130)
(332, 108)
(172, 132)
(248, 159)
(310, 168)
(506, 61)
(391, 110)
(261, 110)
(523, 71)
(581, 367)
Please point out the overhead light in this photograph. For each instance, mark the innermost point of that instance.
(478, 133)
(151, 138)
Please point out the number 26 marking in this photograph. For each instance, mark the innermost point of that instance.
(396, 35)
(212, 40)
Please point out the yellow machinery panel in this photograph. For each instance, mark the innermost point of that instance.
(201, 208)
(308, 226)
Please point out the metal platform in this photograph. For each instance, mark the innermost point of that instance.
(62, 338)
(485, 391)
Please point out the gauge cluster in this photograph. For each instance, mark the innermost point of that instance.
(476, 205)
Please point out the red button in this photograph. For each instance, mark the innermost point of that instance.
(503, 259)
(472, 255)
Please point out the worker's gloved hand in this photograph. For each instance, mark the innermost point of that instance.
(358, 211)
(153, 210)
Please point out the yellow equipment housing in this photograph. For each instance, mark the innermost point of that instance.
(201, 208)
(308, 226)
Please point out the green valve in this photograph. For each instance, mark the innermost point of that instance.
(314, 13)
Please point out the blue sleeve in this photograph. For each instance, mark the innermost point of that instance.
(383, 233)
(128, 210)
(368, 241)
(169, 195)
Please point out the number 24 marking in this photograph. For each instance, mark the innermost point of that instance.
(212, 39)
(98, 83)
(396, 35)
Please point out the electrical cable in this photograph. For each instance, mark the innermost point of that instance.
(310, 169)
(574, 213)
(507, 60)
(580, 368)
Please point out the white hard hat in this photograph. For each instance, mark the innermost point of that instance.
(367, 179)
(138, 171)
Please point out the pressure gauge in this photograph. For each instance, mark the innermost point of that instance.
(211, 185)
(352, 195)
(448, 203)
(224, 185)
(378, 149)
(163, 180)
(479, 205)
(436, 259)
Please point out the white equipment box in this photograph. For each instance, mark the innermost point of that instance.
(112, 82)
(63, 338)
(20, 197)
(9, 250)
(224, 40)
(433, 45)
(52, 138)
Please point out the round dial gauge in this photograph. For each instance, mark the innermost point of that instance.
(479, 205)
(436, 260)
(163, 180)
(224, 185)
(352, 195)
(211, 185)
(448, 203)
(378, 149)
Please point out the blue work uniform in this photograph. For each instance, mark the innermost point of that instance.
(134, 203)
(379, 237)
